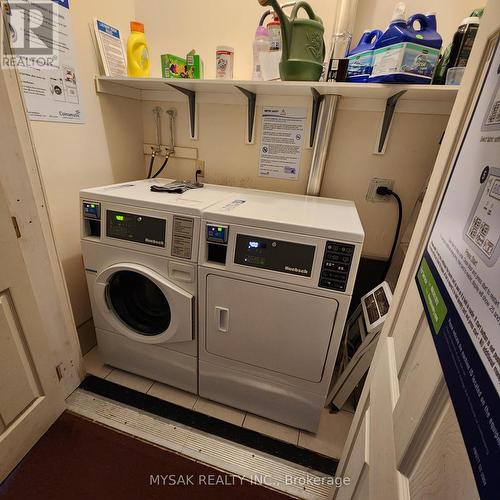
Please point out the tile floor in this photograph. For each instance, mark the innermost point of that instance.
(329, 440)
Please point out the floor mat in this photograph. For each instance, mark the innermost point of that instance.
(214, 426)
(77, 459)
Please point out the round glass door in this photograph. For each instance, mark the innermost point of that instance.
(139, 302)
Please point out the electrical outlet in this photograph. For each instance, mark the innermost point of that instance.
(376, 182)
(200, 165)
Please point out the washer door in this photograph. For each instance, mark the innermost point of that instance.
(144, 306)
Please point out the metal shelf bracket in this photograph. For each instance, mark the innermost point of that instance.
(251, 102)
(317, 98)
(390, 106)
(193, 118)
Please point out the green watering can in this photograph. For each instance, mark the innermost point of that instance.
(303, 48)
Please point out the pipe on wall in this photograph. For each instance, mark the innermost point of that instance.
(321, 143)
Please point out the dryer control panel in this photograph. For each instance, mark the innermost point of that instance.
(336, 265)
(275, 255)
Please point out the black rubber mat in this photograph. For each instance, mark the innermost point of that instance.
(202, 422)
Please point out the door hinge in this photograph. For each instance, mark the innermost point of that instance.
(16, 227)
(59, 371)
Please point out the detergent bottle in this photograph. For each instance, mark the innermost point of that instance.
(138, 63)
(404, 54)
(361, 57)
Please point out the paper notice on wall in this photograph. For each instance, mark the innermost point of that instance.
(43, 52)
(282, 142)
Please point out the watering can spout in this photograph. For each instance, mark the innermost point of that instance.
(284, 22)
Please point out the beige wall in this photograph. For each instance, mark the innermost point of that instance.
(106, 149)
(177, 27)
(411, 150)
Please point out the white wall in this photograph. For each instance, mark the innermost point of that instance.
(104, 150)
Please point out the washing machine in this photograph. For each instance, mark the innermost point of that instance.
(140, 251)
(276, 274)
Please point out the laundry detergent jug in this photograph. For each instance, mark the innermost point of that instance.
(404, 54)
(361, 57)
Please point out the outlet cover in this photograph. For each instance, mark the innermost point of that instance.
(372, 195)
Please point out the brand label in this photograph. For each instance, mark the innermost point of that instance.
(360, 64)
(405, 58)
(296, 270)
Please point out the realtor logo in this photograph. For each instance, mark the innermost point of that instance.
(29, 37)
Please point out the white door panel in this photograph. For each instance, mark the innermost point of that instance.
(30, 396)
(19, 386)
(240, 315)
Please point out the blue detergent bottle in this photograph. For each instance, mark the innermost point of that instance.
(404, 54)
(361, 57)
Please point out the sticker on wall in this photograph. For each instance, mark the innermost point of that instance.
(459, 284)
(42, 49)
(282, 141)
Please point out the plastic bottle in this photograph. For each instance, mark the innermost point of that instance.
(261, 43)
(361, 57)
(274, 29)
(138, 63)
(458, 51)
(462, 42)
(404, 54)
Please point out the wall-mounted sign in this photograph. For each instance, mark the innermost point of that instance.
(281, 142)
(41, 40)
(459, 283)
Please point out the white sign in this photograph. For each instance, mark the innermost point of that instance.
(282, 142)
(110, 49)
(42, 46)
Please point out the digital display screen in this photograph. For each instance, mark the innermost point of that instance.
(255, 245)
(216, 233)
(136, 228)
(276, 255)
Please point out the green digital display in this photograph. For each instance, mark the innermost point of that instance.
(119, 217)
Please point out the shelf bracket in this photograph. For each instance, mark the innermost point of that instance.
(251, 101)
(390, 106)
(317, 98)
(191, 95)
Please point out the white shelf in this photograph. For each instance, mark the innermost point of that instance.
(145, 88)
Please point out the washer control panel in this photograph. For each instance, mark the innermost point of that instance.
(336, 265)
(136, 228)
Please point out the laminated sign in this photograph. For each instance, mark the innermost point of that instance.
(459, 284)
(282, 142)
(41, 48)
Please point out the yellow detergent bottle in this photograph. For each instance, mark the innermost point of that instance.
(138, 63)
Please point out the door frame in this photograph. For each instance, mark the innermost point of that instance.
(21, 181)
(443, 167)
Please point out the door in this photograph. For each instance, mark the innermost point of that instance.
(143, 305)
(30, 395)
(269, 327)
(405, 442)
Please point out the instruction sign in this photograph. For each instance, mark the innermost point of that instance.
(282, 142)
(459, 283)
(41, 39)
